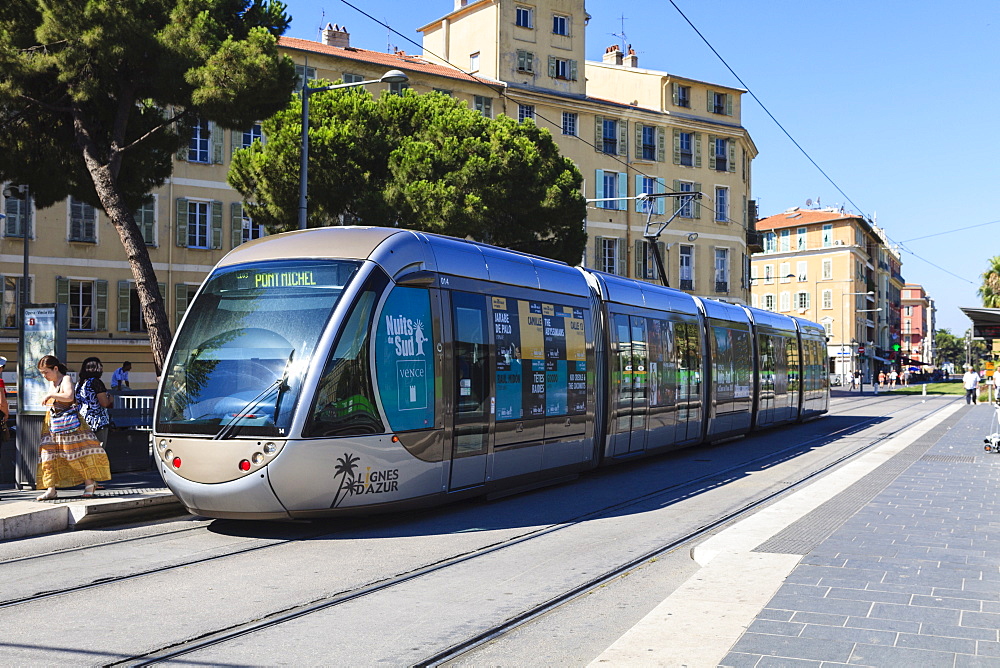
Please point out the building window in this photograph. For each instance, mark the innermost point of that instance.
(569, 123)
(607, 254)
(800, 238)
(352, 78)
(686, 207)
(303, 75)
(685, 139)
(828, 299)
(397, 87)
(12, 297)
(560, 25)
(524, 17)
(198, 229)
(786, 241)
(183, 294)
(646, 186)
(685, 260)
(827, 235)
(801, 271)
(720, 103)
(443, 91)
(484, 105)
(770, 242)
(785, 302)
(200, 145)
(802, 300)
(525, 61)
(769, 273)
(199, 223)
(18, 212)
(721, 150)
(525, 111)
(609, 137)
(250, 230)
(474, 62)
(827, 269)
(769, 302)
(560, 68)
(722, 270)
(611, 189)
(648, 142)
(722, 205)
(81, 300)
(248, 137)
(130, 318)
(784, 272)
(145, 219)
(682, 95)
(82, 221)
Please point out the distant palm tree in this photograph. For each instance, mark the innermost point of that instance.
(989, 292)
(344, 469)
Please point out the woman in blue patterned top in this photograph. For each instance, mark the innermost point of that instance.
(93, 398)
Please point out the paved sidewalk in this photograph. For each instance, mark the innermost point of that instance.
(127, 497)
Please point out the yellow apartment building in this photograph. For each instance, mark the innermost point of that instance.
(630, 130)
(836, 269)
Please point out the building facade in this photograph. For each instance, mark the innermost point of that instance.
(631, 131)
(838, 270)
(917, 335)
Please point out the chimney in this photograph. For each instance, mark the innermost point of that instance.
(631, 60)
(613, 55)
(335, 35)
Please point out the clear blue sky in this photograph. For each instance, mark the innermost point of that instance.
(894, 99)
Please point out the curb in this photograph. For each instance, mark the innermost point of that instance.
(22, 519)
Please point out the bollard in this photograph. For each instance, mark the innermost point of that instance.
(923, 392)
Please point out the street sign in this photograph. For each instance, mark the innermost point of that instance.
(861, 350)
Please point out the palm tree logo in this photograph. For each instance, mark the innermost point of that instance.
(346, 465)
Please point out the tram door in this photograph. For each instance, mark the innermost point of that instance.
(471, 390)
(630, 385)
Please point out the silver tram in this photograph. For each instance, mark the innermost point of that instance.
(353, 370)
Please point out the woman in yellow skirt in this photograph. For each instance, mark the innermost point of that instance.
(68, 458)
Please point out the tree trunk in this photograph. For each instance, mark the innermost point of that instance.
(153, 311)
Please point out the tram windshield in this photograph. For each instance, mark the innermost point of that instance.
(239, 359)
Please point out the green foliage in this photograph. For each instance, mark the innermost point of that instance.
(989, 291)
(424, 162)
(949, 348)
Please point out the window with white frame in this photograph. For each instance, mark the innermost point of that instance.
(785, 302)
(609, 137)
(802, 271)
(800, 238)
(722, 270)
(685, 142)
(525, 61)
(769, 273)
(828, 299)
(720, 103)
(303, 75)
(685, 204)
(770, 242)
(754, 301)
(200, 144)
(607, 254)
(130, 317)
(784, 272)
(82, 221)
(18, 212)
(352, 78)
(398, 87)
(769, 302)
(721, 205)
(474, 62)
(720, 149)
(827, 235)
(198, 226)
(525, 111)
(786, 238)
(10, 317)
(183, 294)
(685, 263)
(647, 186)
(562, 68)
(569, 120)
(87, 303)
(682, 95)
(802, 300)
(199, 223)
(484, 105)
(610, 190)
(827, 269)
(560, 24)
(145, 219)
(648, 142)
(249, 229)
(524, 17)
(248, 137)
(828, 326)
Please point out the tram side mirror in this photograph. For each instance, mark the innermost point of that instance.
(422, 279)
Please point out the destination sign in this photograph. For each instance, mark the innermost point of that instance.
(280, 276)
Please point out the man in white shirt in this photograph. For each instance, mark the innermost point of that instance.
(970, 381)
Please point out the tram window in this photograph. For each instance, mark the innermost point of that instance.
(345, 401)
(470, 361)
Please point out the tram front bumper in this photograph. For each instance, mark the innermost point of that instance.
(249, 497)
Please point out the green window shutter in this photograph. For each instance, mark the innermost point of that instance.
(235, 139)
(162, 287)
(697, 149)
(638, 189)
(620, 252)
(216, 225)
(732, 154)
(182, 150)
(674, 94)
(124, 306)
(599, 187)
(711, 151)
(639, 273)
(217, 135)
(710, 102)
(622, 192)
(236, 223)
(572, 70)
(661, 144)
(677, 146)
(599, 133)
(660, 187)
(729, 104)
(62, 290)
(697, 203)
(662, 248)
(180, 303)
(521, 57)
(552, 66)
(676, 200)
(182, 222)
(598, 244)
(101, 305)
(622, 137)
(638, 139)
(530, 61)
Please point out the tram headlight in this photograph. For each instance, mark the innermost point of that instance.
(258, 458)
(162, 444)
(168, 455)
(270, 448)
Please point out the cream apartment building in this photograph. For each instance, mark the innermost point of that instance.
(629, 129)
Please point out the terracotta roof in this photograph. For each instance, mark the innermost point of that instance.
(800, 217)
(399, 61)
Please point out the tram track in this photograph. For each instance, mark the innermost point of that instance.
(224, 635)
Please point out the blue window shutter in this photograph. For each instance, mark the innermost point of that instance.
(622, 192)
(599, 188)
(660, 188)
(638, 189)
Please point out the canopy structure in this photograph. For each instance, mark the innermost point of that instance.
(985, 322)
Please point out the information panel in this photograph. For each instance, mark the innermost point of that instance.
(541, 360)
(405, 360)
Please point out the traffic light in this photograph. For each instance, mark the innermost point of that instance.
(895, 347)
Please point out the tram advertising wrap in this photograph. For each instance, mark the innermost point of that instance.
(354, 370)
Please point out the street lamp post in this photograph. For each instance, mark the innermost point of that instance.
(843, 338)
(392, 76)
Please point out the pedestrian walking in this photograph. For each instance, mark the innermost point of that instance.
(970, 381)
(119, 379)
(893, 376)
(854, 381)
(881, 379)
(860, 380)
(70, 452)
(93, 398)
